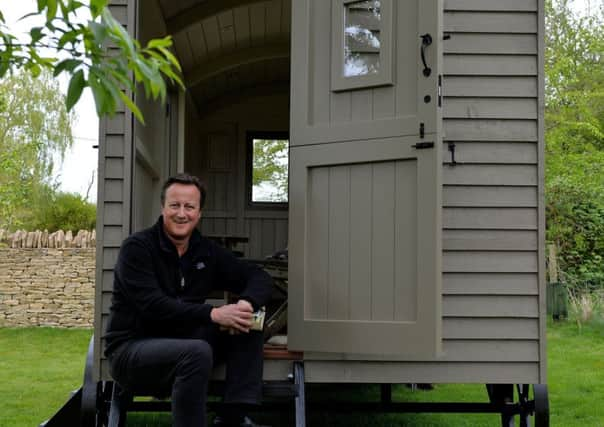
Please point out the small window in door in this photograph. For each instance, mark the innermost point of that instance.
(362, 44)
(268, 156)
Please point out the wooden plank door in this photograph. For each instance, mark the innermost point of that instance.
(365, 177)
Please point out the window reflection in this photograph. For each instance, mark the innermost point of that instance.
(362, 38)
(269, 170)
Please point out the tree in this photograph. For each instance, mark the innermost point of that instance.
(574, 120)
(34, 126)
(269, 170)
(63, 45)
(54, 210)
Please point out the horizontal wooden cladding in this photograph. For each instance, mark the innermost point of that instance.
(490, 328)
(490, 22)
(490, 262)
(490, 130)
(109, 258)
(464, 174)
(490, 65)
(119, 10)
(491, 306)
(107, 280)
(112, 213)
(491, 152)
(113, 235)
(399, 372)
(490, 284)
(416, 372)
(490, 86)
(489, 240)
(492, 5)
(491, 351)
(113, 190)
(453, 284)
(116, 124)
(490, 218)
(114, 145)
(114, 168)
(490, 108)
(499, 44)
(489, 196)
(466, 350)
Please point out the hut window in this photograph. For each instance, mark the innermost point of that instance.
(268, 154)
(362, 44)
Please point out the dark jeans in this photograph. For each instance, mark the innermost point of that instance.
(181, 366)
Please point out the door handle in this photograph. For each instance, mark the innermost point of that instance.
(426, 41)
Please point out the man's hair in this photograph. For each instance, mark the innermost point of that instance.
(184, 178)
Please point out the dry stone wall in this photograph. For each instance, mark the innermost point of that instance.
(52, 286)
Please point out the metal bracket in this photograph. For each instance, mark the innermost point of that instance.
(423, 145)
(451, 146)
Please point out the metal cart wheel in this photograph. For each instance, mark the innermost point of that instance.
(541, 405)
(93, 410)
(90, 391)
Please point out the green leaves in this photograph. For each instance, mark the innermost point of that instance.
(100, 54)
(76, 86)
(97, 7)
(68, 65)
(574, 119)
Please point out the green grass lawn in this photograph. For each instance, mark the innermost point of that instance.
(40, 367)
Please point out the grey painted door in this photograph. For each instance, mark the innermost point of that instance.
(365, 185)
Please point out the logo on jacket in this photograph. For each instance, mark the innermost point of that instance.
(200, 266)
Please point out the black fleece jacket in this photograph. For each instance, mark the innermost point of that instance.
(156, 293)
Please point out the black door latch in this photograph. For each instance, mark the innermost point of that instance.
(422, 145)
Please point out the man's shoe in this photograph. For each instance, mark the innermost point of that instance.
(246, 422)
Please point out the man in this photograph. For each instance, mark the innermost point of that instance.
(162, 338)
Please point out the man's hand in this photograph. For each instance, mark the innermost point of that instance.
(237, 317)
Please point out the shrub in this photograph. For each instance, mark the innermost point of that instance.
(62, 211)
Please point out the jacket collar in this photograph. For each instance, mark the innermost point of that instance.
(197, 244)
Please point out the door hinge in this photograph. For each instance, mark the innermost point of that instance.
(422, 145)
(422, 131)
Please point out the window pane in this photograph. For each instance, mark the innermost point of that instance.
(269, 173)
(363, 23)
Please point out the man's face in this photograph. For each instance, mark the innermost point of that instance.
(181, 210)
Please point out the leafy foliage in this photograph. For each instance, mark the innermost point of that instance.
(270, 173)
(575, 139)
(34, 126)
(54, 210)
(98, 54)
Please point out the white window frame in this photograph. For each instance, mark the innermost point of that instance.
(385, 74)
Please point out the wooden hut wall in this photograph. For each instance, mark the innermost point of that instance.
(493, 222)
(493, 215)
(114, 197)
(493, 212)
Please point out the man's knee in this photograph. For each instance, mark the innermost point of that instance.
(197, 355)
